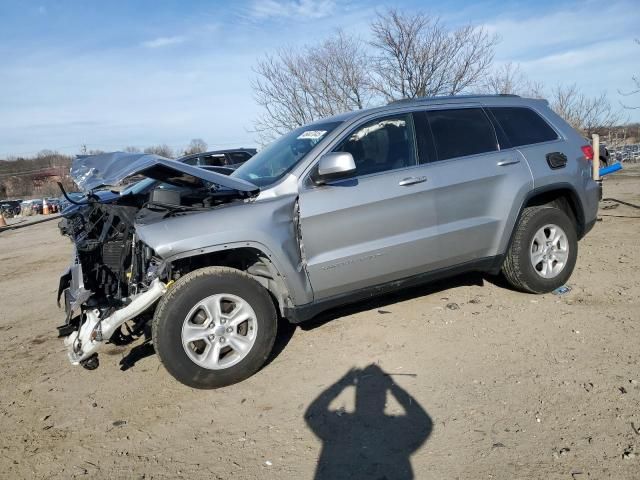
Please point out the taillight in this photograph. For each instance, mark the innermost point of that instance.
(587, 150)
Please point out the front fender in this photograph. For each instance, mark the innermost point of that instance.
(267, 225)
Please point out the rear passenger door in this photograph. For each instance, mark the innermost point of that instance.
(527, 131)
(476, 183)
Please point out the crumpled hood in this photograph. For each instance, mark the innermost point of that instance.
(109, 169)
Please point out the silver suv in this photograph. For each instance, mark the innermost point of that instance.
(342, 209)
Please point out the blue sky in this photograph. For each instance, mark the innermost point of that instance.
(114, 73)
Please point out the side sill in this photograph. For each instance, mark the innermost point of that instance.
(301, 313)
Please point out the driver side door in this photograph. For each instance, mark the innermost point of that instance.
(378, 226)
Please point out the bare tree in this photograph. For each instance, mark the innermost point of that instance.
(196, 145)
(415, 55)
(341, 72)
(508, 79)
(582, 112)
(131, 149)
(505, 79)
(534, 90)
(635, 90)
(162, 150)
(297, 87)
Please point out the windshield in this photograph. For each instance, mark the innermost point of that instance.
(279, 158)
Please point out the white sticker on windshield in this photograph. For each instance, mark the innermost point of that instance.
(312, 135)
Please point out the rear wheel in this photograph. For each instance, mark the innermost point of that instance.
(543, 252)
(216, 326)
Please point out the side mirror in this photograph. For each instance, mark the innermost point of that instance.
(334, 166)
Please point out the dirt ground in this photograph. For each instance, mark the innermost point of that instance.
(461, 379)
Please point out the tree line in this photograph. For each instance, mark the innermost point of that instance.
(196, 145)
(406, 55)
(37, 175)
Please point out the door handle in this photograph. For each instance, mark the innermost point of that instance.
(504, 163)
(411, 181)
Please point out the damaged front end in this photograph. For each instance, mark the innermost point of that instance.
(114, 278)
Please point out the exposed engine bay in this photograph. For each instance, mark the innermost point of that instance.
(115, 278)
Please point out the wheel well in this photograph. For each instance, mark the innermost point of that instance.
(247, 259)
(563, 199)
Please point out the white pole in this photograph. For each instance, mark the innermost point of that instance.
(596, 156)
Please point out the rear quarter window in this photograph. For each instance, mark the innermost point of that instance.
(523, 126)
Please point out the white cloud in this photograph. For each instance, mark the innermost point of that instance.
(263, 9)
(124, 96)
(571, 45)
(525, 38)
(120, 100)
(604, 67)
(163, 41)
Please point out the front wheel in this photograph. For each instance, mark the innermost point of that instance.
(543, 252)
(216, 326)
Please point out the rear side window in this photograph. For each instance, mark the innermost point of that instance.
(239, 157)
(461, 132)
(215, 160)
(523, 126)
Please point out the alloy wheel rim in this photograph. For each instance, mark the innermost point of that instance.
(549, 251)
(219, 331)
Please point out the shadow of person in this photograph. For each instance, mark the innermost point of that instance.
(367, 443)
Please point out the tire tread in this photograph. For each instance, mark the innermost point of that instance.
(184, 283)
(516, 267)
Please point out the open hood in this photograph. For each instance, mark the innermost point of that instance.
(109, 169)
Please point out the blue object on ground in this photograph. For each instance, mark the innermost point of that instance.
(610, 169)
(562, 290)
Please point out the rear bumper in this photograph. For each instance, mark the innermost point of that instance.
(600, 190)
(590, 198)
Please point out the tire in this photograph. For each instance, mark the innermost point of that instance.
(183, 311)
(518, 267)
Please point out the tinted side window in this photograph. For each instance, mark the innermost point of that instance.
(523, 126)
(426, 149)
(215, 160)
(239, 157)
(381, 145)
(461, 132)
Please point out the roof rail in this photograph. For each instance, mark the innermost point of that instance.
(451, 97)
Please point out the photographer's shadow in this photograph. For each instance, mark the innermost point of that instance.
(367, 443)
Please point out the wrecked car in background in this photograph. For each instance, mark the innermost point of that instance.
(339, 210)
(220, 161)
